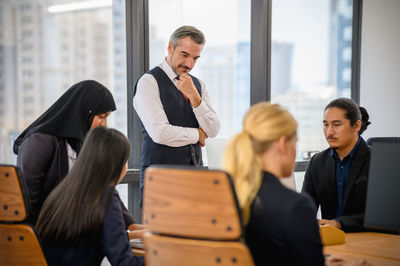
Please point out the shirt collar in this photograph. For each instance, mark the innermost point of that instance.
(168, 70)
(351, 153)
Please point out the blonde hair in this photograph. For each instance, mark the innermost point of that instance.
(263, 124)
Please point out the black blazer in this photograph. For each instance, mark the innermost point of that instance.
(283, 229)
(320, 184)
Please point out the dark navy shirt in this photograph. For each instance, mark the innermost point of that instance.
(342, 171)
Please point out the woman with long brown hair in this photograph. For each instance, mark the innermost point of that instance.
(81, 221)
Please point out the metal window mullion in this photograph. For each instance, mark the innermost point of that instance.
(260, 69)
(356, 50)
(137, 63)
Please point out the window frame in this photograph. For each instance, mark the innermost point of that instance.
(137, 38)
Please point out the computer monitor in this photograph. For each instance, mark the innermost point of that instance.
(383, 195)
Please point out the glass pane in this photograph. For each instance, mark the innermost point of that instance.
(45, 47)
(225, 60)
(310, 62)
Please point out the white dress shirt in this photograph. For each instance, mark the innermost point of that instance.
(71, 156)
(149, 108)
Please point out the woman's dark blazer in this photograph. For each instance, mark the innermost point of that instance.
(320, 184)
(43, 160)
(283, 228)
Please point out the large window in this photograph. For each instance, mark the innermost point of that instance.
(301, 56)
(310, 62)
(45, 47)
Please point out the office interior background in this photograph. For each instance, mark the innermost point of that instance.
(311, 55)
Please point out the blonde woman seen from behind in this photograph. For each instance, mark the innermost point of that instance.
(281, 227)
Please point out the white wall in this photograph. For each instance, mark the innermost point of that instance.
(380, 66)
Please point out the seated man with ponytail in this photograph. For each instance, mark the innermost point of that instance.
(337, 177)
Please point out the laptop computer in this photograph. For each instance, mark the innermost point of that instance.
(383, 195)
(136, 243)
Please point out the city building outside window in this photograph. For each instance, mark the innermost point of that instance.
(47, 46)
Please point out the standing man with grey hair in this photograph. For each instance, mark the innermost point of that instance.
(174, 107)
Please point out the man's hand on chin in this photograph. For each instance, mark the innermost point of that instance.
(186, 86)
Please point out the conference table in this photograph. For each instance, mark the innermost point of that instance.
(377, 248)
(138, 251)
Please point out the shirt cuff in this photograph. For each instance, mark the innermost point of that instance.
(201, 108)
(193, 135)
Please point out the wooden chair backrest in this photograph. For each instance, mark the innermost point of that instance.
(20, 246)
(191, 203)
(12, 203)
(173, 251)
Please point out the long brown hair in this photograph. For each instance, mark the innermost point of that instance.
(263, 124)
(77, 205)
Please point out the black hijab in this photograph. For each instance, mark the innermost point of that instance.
(72, 114)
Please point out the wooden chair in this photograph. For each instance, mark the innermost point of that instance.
(193, 218)
(19, 244)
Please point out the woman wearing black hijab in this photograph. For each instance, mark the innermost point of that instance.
(48, 148)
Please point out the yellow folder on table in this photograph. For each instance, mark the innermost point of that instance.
(331, 235)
